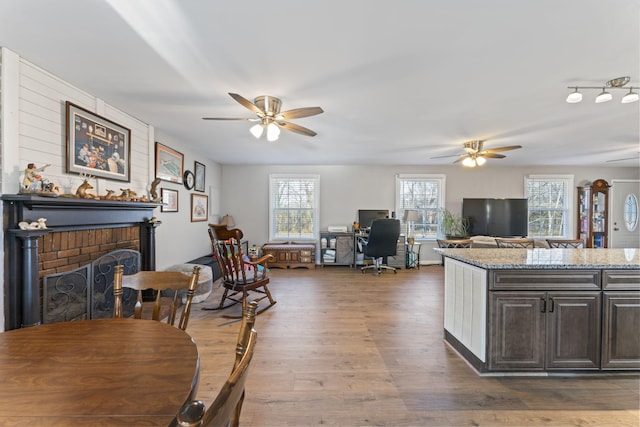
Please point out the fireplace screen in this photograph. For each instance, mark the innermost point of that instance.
(87, 292)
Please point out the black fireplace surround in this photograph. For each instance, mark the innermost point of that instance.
(22, 303)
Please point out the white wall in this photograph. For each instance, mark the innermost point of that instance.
(345, 189)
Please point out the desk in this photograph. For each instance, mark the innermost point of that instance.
(96, 372)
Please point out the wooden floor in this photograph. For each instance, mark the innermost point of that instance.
(344, 348)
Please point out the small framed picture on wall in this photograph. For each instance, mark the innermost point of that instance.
(199, 207)
(169, 200)
(200, 170)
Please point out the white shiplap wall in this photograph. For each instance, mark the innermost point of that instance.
(42, 136)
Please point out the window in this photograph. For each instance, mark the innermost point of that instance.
(424, 193)
(293, 207)
(550, 205)
(630, 212)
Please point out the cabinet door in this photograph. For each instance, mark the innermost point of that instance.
(620, 337)
(294, 256)
(282, 256)
(517, 333)
(344, 250)
(573, 330)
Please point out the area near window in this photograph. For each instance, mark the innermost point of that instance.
(550, 203)
(294, 202)
(423, 193)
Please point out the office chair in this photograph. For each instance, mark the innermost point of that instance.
(381, 243)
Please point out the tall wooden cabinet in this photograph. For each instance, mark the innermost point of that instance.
(593, 214)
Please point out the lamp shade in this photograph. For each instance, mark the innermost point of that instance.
(228, 221)
(256, 130)
(273, 132)
(411, 215)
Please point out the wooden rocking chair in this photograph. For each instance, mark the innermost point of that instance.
(240, 274)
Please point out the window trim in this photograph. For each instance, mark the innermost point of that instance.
(569, 226)
(273, 178)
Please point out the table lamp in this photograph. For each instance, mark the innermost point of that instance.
(410, 216)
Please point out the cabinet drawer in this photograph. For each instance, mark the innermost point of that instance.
(628, 280)
(545, 280)
(305, 253)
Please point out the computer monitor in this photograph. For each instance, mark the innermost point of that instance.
(366, 216)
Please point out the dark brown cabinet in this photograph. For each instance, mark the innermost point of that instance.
(621, 320)
(545, 330)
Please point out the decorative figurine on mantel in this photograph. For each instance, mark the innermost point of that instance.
(34, 183)
(35, 225)
(153, 190)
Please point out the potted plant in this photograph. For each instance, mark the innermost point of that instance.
(453, 226)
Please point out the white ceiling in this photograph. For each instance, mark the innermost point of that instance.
(400, 82)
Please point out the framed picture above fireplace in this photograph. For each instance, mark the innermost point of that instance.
(97, 146)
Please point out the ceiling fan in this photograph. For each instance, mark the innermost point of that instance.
(475, 155)
(626, 158)
(267, 108)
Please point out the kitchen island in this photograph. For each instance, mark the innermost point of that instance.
(544, 310)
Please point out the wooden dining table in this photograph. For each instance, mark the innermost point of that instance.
(96, 372)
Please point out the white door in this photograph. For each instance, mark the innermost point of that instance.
(624, 223)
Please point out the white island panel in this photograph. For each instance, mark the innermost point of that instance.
(465, 305)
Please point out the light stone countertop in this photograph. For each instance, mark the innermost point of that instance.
(540, 258)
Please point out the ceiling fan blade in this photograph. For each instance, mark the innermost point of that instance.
(620, 160)
(451, 155)
(492, 155)
(461, 158)
(625, 158)
(296, 128)
(300, 112)
(232, 118)
(247, 104)
(498, 149)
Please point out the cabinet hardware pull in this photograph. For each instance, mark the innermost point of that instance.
(544, 304)
(552, 304)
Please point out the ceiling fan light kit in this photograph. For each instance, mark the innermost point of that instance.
(267, 108)
(605, 96)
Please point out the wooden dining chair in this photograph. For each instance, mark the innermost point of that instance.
(453, 243)
(225, 409)
(565, 243)
(241, 275)
(158, 281)
(514, 243)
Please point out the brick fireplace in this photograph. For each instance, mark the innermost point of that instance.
(78, 232)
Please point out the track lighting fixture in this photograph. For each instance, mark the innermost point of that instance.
(605, 96)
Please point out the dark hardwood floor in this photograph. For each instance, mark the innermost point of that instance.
(344, 348)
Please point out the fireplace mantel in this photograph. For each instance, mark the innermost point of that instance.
(73, 212)
(21, 281)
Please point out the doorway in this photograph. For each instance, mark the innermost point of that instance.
(624, 222)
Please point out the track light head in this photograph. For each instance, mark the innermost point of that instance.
(574, 97)
(605, 96)
(630, 97)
